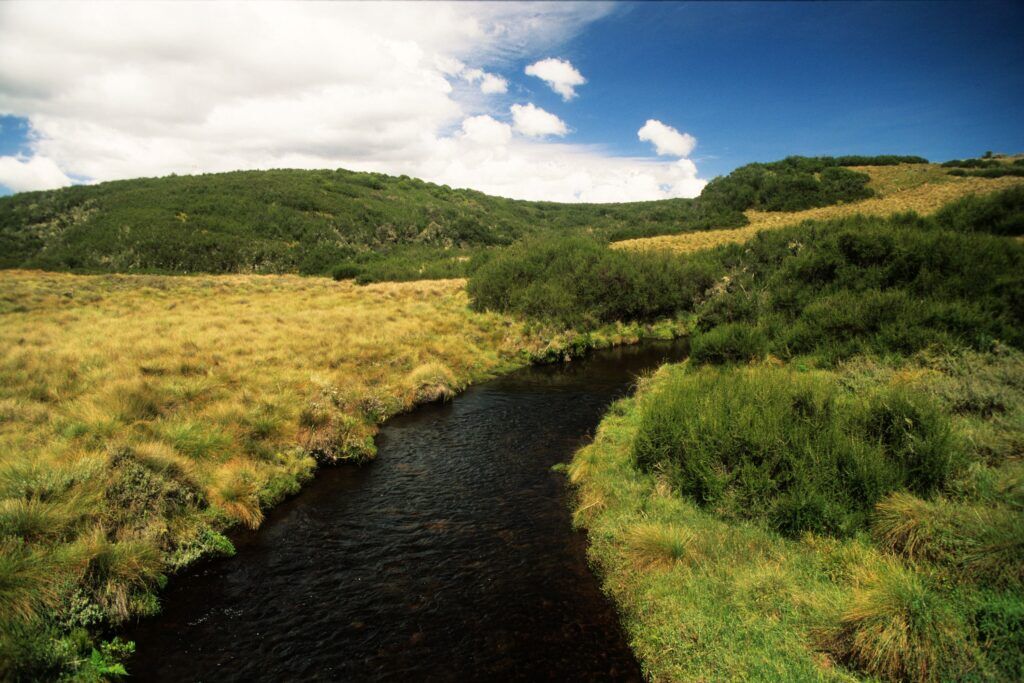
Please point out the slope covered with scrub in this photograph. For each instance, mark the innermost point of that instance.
(366, 225)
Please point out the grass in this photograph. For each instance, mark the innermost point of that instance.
(141, 415)
(923, 188)
(831, 487)
(926, 591)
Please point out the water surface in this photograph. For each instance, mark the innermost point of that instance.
(450, 557)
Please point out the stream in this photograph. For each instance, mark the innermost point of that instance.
(449, 557)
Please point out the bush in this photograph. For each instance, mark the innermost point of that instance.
(875, 285)
(793, 184)
(579, 282)
(1000, 214)
(731, 343)
(792, 450)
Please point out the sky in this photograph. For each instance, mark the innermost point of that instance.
(563, 102)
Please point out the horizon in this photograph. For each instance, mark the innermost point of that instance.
(515, 100)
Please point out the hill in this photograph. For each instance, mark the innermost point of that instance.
(366, 225)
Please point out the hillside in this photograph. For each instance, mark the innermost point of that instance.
(280, 221)
(366, 225)
(923, 188)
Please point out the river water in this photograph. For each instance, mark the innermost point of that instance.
(449, 557)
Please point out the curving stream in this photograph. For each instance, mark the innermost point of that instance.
(450, 557)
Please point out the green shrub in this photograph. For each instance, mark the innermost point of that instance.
(1000, 214)
(875, 285)
(790, 449)
(730, 343)
(579, 282)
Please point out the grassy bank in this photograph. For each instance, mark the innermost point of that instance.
(925, 586)
(140, 416)
(831, 487)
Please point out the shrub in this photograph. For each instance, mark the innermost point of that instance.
(579, 282)
(730, 343)
(1000, 214)
(790, 449)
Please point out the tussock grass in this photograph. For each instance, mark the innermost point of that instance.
(922, 188)
(924, 586)
(142, 415)
(897, 628)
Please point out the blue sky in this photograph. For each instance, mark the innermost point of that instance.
(167, 88)
(760, 81)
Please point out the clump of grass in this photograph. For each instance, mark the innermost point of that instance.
(26, 588)
(979, 544)
(898, 628)
(237, 493)
(432, 382)
(116, 572)
(663, 544)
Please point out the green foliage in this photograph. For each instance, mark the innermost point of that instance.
(790, 449)
(729, 343)
(578, 282)
(795, 183)
(997, 171)
(367, 226)
(876, 285)
(364, 225)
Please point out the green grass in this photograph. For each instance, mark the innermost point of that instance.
(924, 586)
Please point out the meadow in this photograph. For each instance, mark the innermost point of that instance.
(142, 416)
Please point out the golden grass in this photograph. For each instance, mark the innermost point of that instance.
(140, 415)
(923, 188)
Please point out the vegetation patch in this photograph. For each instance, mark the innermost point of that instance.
(141, 416)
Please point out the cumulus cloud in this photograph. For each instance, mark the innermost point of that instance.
(34, 173)
(485, 130)
(667, 140)
(147, 89)
(535, 122)
(491, 84)
(559, 74)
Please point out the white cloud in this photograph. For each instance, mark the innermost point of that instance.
(147, 89)
(559, 74)
(484, 130)
(667, 140)
(535, 122)
(35, 173)
(491, 84)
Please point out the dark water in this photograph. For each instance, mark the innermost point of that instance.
(450, 557)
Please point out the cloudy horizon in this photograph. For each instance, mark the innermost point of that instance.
(115, 91)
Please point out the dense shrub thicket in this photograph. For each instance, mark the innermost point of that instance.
(292, 221)
(579, 282)
(792, 449)
(999, 214)
(869, 285)
(796, 183)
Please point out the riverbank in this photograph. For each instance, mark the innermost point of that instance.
(144, 415)
(929, 588)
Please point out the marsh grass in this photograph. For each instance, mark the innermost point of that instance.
(142, 415)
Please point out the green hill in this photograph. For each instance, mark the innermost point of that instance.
(369, 225)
